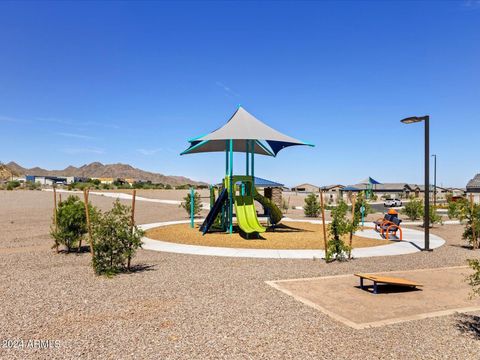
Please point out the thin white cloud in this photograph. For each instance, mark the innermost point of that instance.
(54, 120)
(148, 152)
(70, 122)
(472, 4)
(76, 136)
(227, 89)
(74, 151)
(12, 119)
(97, 123)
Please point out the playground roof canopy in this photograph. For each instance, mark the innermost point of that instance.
(243, 126)
(350, 188)
(370, 180)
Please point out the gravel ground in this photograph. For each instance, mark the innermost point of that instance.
(196, 307)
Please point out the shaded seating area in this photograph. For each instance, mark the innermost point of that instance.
(389, 225)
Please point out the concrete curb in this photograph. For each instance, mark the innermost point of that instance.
(413, 242)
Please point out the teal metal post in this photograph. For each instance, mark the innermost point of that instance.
(226, 158)
(192, 206)
(362, 210)
(253, 161)
(247, 156)
(230, 230)
(225, 209)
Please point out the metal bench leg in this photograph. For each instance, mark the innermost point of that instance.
(361, 283)
(375, 288)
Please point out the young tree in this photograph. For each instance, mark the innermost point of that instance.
(115, 240)
(338, 228)
(312, 206)
(197, 203)
(71, 223)
(361, 201)
(474, 279)
(455, 208)
(471, 215)
(434, 217)
(285, 205)
(414, 209)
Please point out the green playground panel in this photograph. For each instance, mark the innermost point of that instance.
(244, 204)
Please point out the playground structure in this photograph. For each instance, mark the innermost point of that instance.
(242, 133)
(370, 183)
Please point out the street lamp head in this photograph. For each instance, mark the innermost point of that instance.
(414, 119)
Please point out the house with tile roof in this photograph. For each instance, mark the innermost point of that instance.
(473, 188)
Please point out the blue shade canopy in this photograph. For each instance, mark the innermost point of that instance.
(370, 180)
(241, 127)
(260, 182)
(350, 188)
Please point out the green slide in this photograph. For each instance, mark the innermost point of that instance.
(247, 215)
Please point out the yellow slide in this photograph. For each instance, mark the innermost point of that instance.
(247, 215)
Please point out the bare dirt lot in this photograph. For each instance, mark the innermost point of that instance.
(196, 307)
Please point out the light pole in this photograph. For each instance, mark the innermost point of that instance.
(434, 180)
(426, 215)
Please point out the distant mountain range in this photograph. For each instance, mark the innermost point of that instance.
(99, 170)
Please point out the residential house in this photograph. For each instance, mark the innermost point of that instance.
(384, 190)
(307, 188)
(473, 189)
(332, 192)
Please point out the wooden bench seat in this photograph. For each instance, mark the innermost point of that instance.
(385, 280)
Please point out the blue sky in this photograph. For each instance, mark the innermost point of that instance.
(131, 82)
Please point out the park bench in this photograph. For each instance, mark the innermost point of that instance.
(387, 225)
(380, 221)
(385, 280)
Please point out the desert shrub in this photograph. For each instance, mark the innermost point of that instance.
(13, 184)
(471, 215)
(414, 209)
(31, 185)
(285, 205)
(273, 210)
(312, 206)
(168, 187)
(71, 223)
(183, 187)
(115, 240)
(340, 226)
(455, 208)
(474, 279)
(434, 217)
(197, 203)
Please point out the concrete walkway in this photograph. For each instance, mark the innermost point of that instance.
(413, 242)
